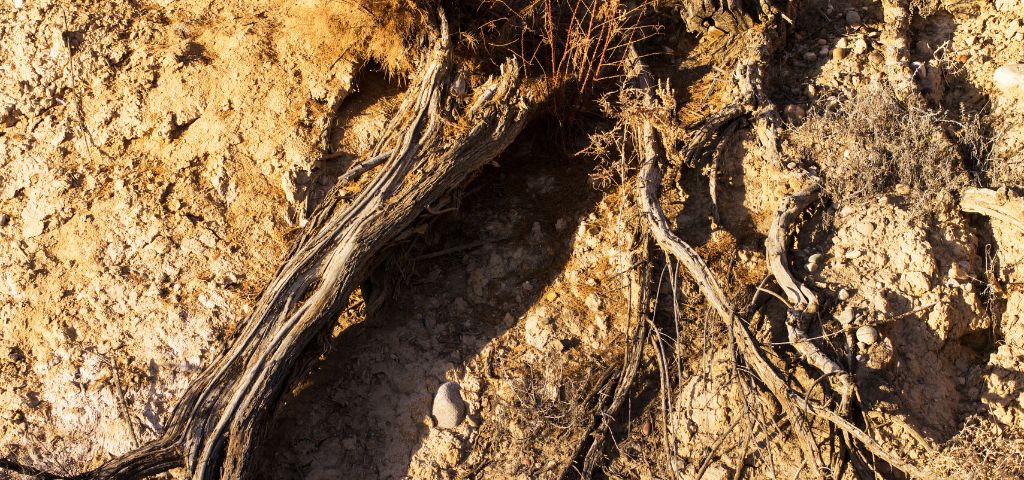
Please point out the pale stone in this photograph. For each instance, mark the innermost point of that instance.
(867, 335)
(1010, 79)
(449, 409)
(847, 316)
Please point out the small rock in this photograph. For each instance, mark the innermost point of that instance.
(902, 189)
(917, 282)
(957, 270)
(844, 295)
(794, 112)
(864, 229)
(847, 316)
(449, 408)
(838, 53)
(4, 219)
(810, 56)
(1010, 78)
(860, 46)
(550, 296)
(852, 18)
(851, 254)
(813, 267)
(537, 330)
(867, 335)
(645, 429)
(459, 86)
(816, 259)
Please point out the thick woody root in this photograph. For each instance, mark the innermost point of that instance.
(802, 301)
(896, 18)
(796, 407)
(217, 425)
(1000, 205)
(648, 184)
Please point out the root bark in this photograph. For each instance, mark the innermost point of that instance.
(802, 301)
(217, 426)
(798, 410)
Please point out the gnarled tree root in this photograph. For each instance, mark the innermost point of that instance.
(794, 406)
(1000, 205)
(217, 425)
(802, 301)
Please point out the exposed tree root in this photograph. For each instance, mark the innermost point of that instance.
(648, 184)
(1000, 205)
(795, 407)
(802, 301)
(217, 425)
(896, 18)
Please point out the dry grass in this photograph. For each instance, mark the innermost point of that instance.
(982, 450)
(572, 44)
(871, 144)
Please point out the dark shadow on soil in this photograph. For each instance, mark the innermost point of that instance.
(454, 287)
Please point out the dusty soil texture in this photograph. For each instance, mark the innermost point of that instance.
(158, 158)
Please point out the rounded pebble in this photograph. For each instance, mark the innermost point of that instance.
(844, 295)
(449, 408)
(852, 18)
(867, 335)
(1010, 78)
(847, 316)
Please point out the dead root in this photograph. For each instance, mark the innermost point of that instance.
(797, 408)
(217, 426)
(802, 301)
(1000, 205)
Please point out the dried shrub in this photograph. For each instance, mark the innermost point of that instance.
(869, 144)
(550, 402)
(983, 449)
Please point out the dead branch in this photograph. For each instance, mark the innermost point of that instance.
(217, 425)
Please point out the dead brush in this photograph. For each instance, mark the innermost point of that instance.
(573, 43)
(871, 144)
(552, 400)
(548, 398)
(982, 449)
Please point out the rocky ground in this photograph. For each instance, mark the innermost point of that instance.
(157, 158)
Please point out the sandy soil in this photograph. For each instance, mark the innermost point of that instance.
(156, 159)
